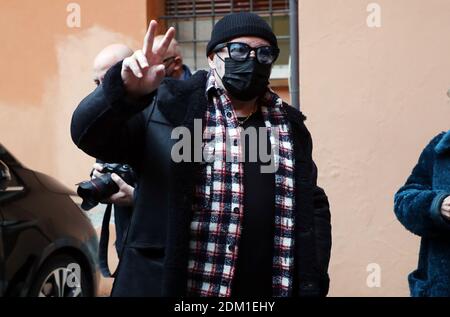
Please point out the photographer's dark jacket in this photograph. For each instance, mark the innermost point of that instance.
(110, 127)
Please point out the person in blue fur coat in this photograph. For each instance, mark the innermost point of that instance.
(422, 205)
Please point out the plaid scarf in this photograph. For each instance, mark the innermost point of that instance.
(218, 206)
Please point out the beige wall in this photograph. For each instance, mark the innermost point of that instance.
(373, 97)
(46, 69)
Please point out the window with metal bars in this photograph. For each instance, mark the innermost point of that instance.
(194, 20)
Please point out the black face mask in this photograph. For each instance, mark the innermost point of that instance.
(246, 80)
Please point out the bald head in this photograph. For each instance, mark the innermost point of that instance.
(107, 58)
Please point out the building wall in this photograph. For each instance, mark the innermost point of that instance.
(373, 97)
(47, 70)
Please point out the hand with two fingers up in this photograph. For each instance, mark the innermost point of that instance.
(143, 72)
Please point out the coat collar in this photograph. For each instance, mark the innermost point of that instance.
(444, 144)
(183, 101)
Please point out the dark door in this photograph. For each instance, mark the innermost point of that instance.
(2, 258)
(9, 189)
(20, 238)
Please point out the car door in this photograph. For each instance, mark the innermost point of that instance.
(15, 222)
(2, 259)
(9, 188)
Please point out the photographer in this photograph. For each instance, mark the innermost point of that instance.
(108, 57)
(122, 200)
(211, 228)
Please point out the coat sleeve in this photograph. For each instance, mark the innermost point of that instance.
(321, 213)
(322, 227)
(417, 204)
(322, 224)
(109, 126)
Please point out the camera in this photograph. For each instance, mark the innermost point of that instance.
(100, 188)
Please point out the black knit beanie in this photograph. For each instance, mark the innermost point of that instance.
(240, 24)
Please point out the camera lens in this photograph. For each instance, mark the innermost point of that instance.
(96, 190)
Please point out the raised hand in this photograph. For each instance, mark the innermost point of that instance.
(144, 71)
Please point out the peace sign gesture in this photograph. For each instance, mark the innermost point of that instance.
(144, 71)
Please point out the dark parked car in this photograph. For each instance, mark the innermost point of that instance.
(48, 246)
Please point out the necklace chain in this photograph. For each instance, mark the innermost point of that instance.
(241, 122)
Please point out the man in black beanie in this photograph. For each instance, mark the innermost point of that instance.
(232, 223)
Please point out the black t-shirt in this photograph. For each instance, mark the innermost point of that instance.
(253, 276)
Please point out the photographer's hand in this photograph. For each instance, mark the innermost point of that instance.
(124, 197)
(144, 71)
(445, 208)
(97, 170)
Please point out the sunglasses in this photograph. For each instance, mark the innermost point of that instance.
(171, 58)
(241, 51)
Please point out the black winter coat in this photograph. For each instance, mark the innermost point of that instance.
(109, 126)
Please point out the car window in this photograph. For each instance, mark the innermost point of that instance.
(6, 157)
(14, 188)
(13, 185)
(14, 182)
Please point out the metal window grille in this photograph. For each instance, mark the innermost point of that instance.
(194, 20)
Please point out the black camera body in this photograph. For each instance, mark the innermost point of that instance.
(100, 188)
